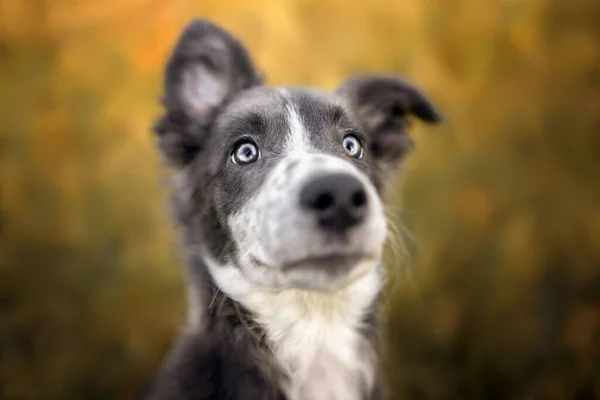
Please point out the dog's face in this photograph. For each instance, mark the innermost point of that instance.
(295, 188)
(283, 183)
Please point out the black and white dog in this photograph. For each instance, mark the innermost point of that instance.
(278, 194)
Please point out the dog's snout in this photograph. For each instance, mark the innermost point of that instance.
(338, 201)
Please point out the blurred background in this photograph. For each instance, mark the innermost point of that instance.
(495, 293)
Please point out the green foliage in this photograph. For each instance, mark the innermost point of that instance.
(503, 299)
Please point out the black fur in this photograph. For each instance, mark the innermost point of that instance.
(227, 359)
(383, 105)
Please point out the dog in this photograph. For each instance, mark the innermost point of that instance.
(278, 194)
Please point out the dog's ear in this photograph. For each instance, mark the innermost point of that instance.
(383, 105)
(207, 68)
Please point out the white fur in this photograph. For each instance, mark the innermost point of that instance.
(313, 335)
(296, 139)
(272, 229)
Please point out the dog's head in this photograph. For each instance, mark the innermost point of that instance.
(283, 183)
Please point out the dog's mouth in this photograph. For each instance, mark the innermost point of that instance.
(326, 273)
(331, 262)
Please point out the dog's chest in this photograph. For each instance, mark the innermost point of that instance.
(316, 338)
(329, 368)
(319, 346)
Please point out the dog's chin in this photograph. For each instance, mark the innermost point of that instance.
(328, 273)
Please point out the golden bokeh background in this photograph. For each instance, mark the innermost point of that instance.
(499, 210)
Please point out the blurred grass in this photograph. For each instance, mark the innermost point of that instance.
(503, 201)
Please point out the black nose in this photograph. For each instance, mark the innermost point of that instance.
(338, 201)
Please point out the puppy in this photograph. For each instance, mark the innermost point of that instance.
(278, 194)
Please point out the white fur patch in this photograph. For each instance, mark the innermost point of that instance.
(273, 229)
(313, 335)
(297, 139)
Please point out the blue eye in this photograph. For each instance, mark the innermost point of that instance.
(245, 153)
(352, 146)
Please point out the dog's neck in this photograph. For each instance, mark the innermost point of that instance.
(318, 339)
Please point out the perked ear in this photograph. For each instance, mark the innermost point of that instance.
(383, 105)
(206, 69)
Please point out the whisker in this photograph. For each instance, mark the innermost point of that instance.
(398, 240)
(214, 298)
(252, 330)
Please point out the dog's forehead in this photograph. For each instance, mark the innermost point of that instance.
(285, 115)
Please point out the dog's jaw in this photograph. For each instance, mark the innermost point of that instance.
(314, 336)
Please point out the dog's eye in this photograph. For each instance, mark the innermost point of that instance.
(245, 153)
(352, 146)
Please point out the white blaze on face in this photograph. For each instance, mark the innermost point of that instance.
(297, 137)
